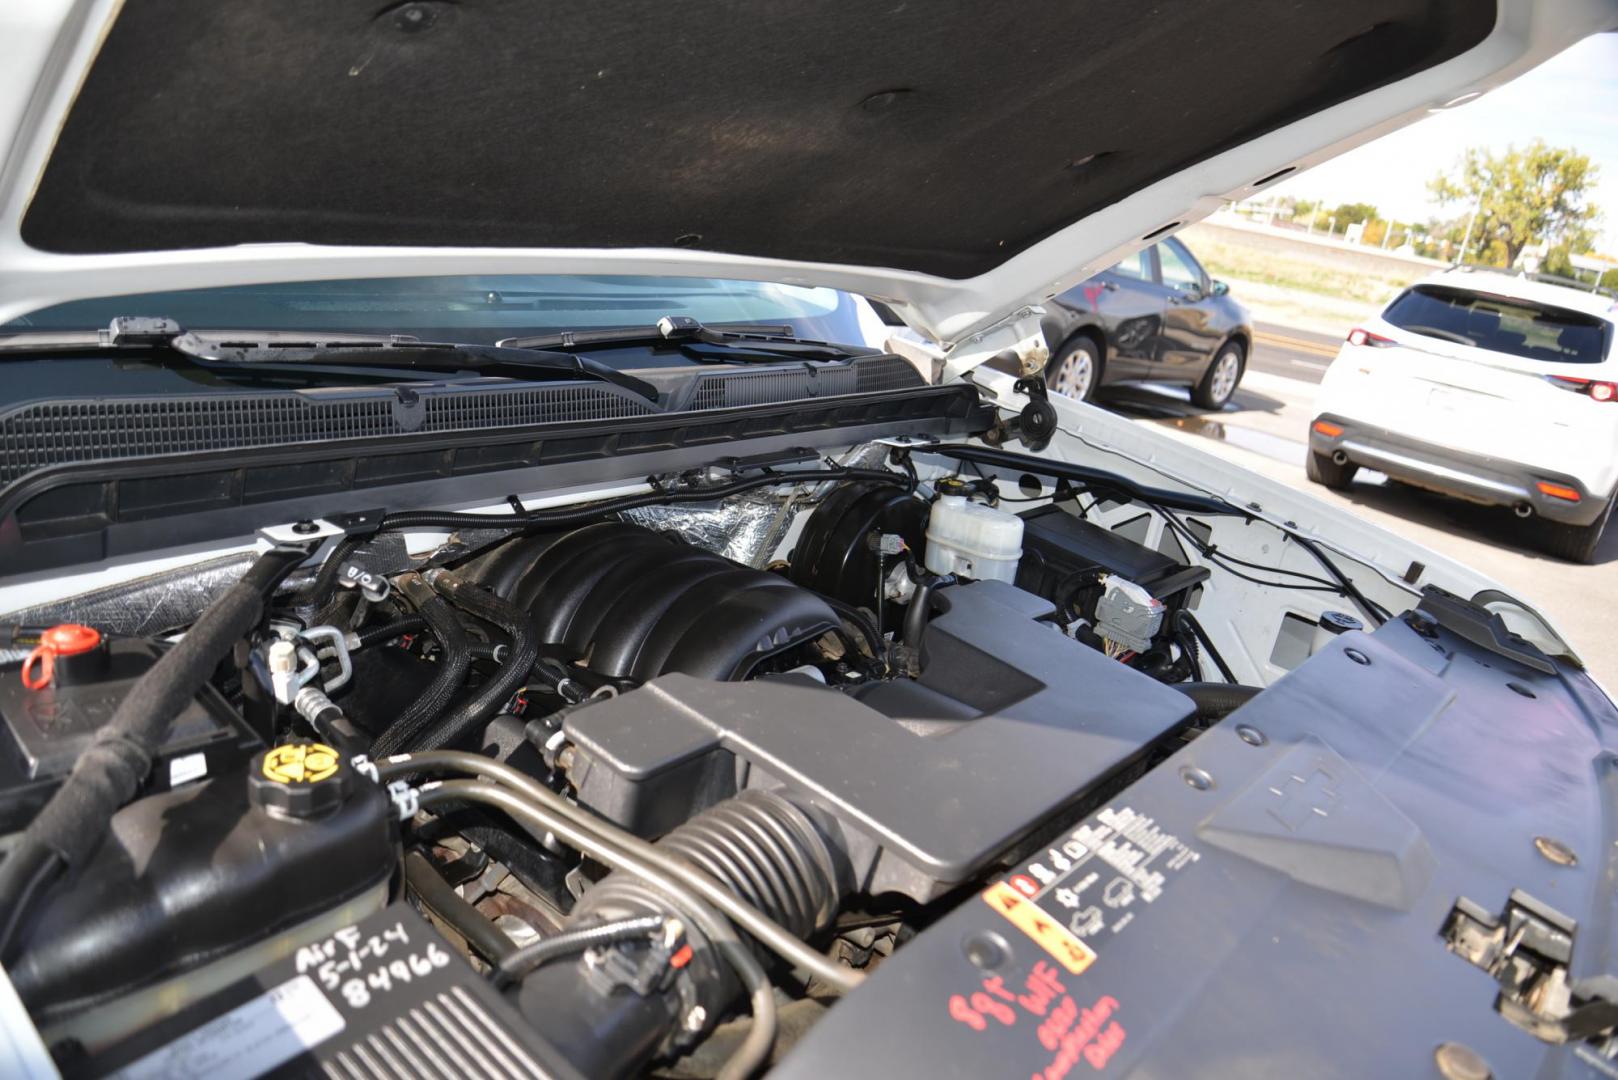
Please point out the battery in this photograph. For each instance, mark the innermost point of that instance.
(385, 997)
(45, 729)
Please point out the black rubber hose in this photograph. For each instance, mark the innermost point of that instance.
(326, 578)
(436, 895)
(521, 961)
(1190, 622)
(1083, 474)
(453, 663)
(112, 767)
(916, 615)
(1215, 701)
(1193, 653)
(377, 635)
(920, 609)
(511, 676)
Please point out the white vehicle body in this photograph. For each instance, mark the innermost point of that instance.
(150, 147)
(1514, 419)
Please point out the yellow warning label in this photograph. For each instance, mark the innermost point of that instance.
(1033, 920)
(300, 763)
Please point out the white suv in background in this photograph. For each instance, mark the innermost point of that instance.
(1494, 388)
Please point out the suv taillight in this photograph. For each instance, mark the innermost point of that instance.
(1601, 391)
(1361, 336)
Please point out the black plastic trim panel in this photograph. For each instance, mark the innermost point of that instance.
(74, 514)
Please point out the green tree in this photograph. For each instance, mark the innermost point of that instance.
(1351, 213)
(1539, 194)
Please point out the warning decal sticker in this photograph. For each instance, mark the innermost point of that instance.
(1093, 881)
(1047, 932)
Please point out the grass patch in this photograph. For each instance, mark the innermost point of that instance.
(1238, 262)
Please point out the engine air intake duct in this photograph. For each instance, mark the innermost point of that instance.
(758, 844)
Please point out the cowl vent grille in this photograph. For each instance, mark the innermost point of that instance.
(52, 433)
(44, 434)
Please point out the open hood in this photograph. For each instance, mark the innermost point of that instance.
(961, 161)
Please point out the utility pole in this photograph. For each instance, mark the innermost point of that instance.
(1467, 239)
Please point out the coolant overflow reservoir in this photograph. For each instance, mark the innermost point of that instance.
(972, 540)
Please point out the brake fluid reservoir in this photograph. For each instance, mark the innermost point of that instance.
(972, 540)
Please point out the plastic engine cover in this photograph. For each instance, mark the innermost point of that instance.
(1271, 900)
(1009, 722)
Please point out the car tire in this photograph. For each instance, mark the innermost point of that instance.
(1323, 470)
(1075, 370)
(1218, 384)
(1575, 543)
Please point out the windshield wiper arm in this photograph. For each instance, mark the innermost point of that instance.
(683, 331)
(311, 348)
(352, 350)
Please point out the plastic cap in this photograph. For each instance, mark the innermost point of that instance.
(64, 639)
(299, 780)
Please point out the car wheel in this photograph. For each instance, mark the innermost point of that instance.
(1219, 382)
(1075, 371)
(1575, 543)
(1323, 470)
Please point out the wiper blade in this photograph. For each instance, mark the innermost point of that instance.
(683, 331)
(285, 347)
(314, 348)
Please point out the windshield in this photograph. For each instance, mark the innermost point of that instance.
(1501, 324)
(476, 309)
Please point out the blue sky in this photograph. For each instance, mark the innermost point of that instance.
(1570, 100)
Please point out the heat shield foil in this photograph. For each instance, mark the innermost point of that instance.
(149, 606)
(749, 528)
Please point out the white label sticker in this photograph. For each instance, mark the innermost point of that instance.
(183, 770)
(248, 1041)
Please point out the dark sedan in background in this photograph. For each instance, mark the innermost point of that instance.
(1155, 317)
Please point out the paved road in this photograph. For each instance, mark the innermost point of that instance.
(1292, 354)
(1264, 428)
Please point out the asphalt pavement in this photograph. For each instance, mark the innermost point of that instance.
(1291, 354)
(1265, 428)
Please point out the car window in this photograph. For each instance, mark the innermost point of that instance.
(479, 309)
(1136, 266)
(1178, 267)
(1501, 324)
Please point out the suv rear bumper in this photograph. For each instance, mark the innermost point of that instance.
(1474, 477)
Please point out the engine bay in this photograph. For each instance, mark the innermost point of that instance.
(671, 770)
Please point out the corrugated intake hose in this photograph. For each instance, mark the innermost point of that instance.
(757, 846)
(1215, 701)
(766, 851)
(109, 772)
(489, 698)
(453, 664)
(634, 856)
(584, 831)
